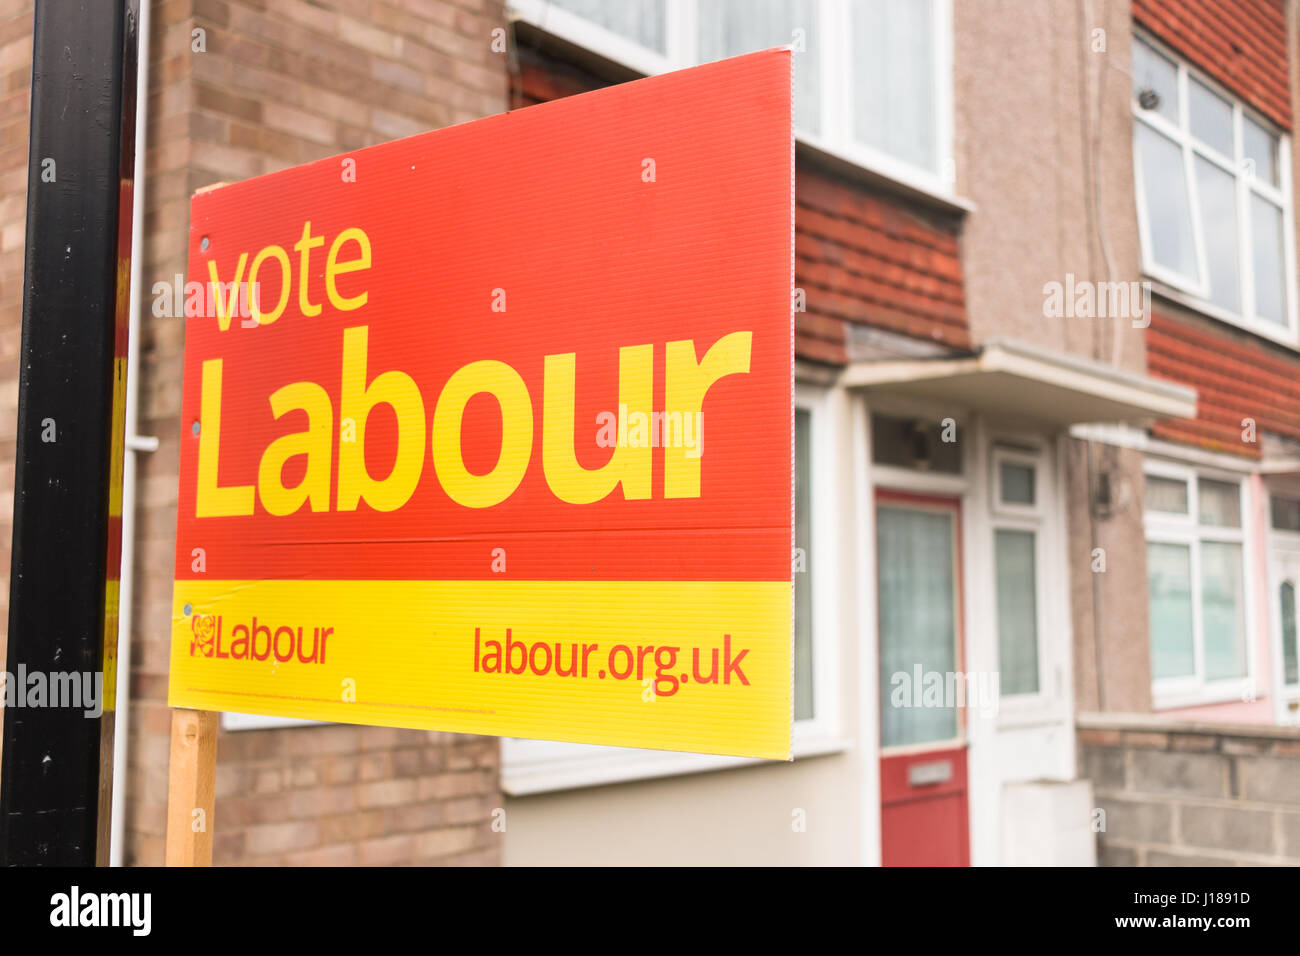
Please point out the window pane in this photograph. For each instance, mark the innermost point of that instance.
(642, 21)
(893, 79)
(1218, 195)
(1266, 235)
(1155, 73)
(1017, 482)
(1290, 664)
(731, 27)
(916, 444)
(1218, 503)
(1260, 147)
(1017, 612)
(918, 623)
(1169, 589)
(803, 637)
(1169, 220)
(1211, 117)
(1166, 494)
(1286, 513)
(1222, 619)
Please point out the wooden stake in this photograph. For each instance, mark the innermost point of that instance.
(191, 787)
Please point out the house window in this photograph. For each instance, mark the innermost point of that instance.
(895, 95)
(916, 444)
(1285, 513)
(1017, 609)
(644, 22)
(1214, 195)
(1290, 659)
(873, 78)
(1196, 584)
(731, 27)
(1017, 521)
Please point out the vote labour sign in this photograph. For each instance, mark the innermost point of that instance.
(488, 430)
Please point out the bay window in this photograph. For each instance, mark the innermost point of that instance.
(1213, 195)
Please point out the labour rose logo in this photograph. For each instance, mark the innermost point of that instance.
(205, 632)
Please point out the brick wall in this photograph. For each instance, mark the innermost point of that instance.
(869, 259)
(1179, 794)
(280, 82)
(1241, 43)
(1235, 379)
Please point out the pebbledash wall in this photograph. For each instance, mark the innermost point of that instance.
(278, 82)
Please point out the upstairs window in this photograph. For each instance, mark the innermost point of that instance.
(873, 78)
(1213, 195)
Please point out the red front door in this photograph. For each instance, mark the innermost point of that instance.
(924, 812)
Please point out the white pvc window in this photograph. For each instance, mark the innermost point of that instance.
(1017, 519)
(644, 22)
(873, 78)
(1197, 589)
(1213, 195)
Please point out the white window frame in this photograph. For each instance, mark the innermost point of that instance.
(233, 721)
(1009, 516)
(1196, 293)
(540, 766)
(1186, 529)
(1280, 540)
(834, 38)
(1016, 456)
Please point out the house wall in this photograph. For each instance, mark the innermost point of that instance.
(742, 817)
(867, 260)
(1247, 399)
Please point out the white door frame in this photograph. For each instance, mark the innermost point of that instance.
(1283, 550)
(1052, 712)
